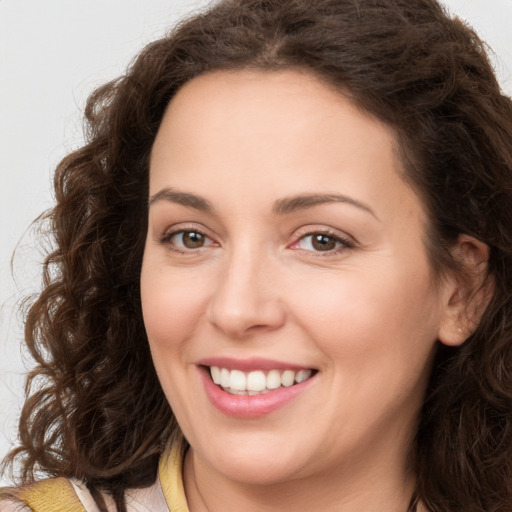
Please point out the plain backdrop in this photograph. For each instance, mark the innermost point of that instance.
(53, 53)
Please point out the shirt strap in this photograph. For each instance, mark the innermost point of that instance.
(170, 470)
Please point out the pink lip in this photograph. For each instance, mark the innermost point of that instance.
(248, 365)
(255, 406)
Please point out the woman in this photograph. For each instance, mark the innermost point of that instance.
(282, 274)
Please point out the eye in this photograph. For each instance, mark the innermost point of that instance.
(322, 242)
(188, 240)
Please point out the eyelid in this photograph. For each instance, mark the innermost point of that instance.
(177, 227)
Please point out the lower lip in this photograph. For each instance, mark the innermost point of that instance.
(250, 406)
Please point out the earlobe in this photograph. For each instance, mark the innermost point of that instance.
(469, 289)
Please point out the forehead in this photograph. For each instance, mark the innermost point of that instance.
(282, 132)
(270, 99)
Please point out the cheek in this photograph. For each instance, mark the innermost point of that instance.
(171, 306)
(358, 316)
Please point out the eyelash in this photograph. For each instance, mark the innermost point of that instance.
(344, 243)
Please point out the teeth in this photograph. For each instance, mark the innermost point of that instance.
(214, 370)
(225, 379)
(288, 378)
(256, 382)
(237, 380)
(302, 375)
(273, 379)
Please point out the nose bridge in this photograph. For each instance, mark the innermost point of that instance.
(246, 299)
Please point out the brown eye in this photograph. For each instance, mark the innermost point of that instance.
(188, 240)
(192, 239)
(321, 242)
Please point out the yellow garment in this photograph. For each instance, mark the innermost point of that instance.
(58, 494)
(170, 471)
(52, 495)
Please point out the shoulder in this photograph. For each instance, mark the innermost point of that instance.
(13, 506)
(50, 495)
(63, 495)
(10, 501)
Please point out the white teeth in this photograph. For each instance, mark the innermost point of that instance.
(302, 375)
(225, 378)
(256, 382)
(288, 378)
(237, 380)
(273, 379)
(215, 371)
(236, 392)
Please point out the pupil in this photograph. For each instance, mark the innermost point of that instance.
(192, 240)
(323, 243)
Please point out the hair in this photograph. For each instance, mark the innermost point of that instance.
(95, 409)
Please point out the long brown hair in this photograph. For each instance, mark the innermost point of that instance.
(94, 407)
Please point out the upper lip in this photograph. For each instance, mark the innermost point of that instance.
(251, 364)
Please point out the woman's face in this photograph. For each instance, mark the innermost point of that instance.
(283, 245)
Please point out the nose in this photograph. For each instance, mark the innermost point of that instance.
(247, 298)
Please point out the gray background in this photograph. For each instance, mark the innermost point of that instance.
(53, 53)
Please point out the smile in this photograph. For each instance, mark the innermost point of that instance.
(256, 382)
(253, 388)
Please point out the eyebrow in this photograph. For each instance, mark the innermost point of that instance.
(283, 206)
(183, 198)
(292, 204)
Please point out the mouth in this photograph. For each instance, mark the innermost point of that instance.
(253, 388)
(256, 382)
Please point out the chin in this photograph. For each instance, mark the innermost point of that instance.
(256, 463)
(259, 473)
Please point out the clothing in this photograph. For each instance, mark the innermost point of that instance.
(62, 495)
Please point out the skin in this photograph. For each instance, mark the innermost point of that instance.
(367, 315)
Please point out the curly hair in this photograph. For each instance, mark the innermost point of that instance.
(95, 409)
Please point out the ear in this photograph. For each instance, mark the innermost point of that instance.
(468, 291)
